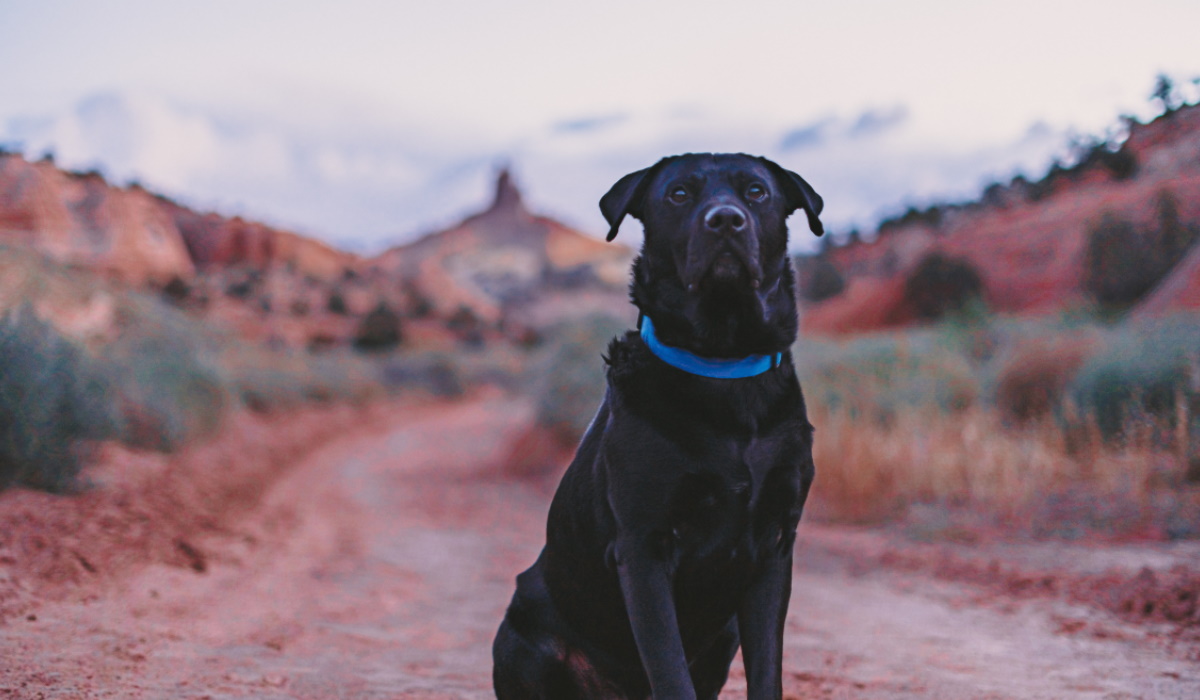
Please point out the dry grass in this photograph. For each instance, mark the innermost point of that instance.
(970, 459)
(1024, 445)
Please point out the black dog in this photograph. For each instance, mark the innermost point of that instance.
(669, 541)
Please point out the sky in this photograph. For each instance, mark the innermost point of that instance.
(367, 123)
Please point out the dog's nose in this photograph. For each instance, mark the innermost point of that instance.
(725, 217)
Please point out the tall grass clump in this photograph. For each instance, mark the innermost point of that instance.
(568, 380)
(1033, 426)
(876, 377)
(54, 399)
(168, 381)
(1147, 372)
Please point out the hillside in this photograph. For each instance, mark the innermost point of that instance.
(507, 267)
(504, 272)
(1027, 241)
(78, 219)
(1180, 291)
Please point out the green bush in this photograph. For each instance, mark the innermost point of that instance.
(53, 400)
(569, 380)
(438, 373)
(1139, 372)
(1124, 261)
(378, 331)
(166, 374)
(941, 285)
(875, 376)
(819, 278)
(152, 376)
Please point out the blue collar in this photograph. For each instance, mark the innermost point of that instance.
(751, 366)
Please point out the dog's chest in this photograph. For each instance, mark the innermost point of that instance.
(731, 496)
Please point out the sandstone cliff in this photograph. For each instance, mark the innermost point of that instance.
(504, 272)
(216, 242)
(79, 220)
(507, 265)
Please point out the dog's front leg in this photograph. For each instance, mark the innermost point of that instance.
(760, 624)
(646, 586)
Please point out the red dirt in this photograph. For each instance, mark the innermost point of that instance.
(379, 565)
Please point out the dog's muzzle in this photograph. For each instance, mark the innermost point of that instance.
(725, 251)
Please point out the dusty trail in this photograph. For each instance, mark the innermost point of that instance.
(380, 567)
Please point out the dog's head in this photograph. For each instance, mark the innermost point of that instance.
(714, 272)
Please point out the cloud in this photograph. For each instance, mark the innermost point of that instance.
(807, 136)
(366, 186)
(340, 186)
(589, 124)
(875, 121)
(868, 123)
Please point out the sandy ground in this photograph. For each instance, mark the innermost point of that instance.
(379, 565)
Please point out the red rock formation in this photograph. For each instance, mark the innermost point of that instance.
(214, 242)
(81, 220)
(503, 270)
(503, 262)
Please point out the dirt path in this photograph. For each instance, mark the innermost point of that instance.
(381, 565)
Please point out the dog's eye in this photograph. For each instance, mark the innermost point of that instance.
(756, 193)
(679, 194)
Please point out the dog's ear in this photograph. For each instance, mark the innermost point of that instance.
(800, 195)
(625, 197)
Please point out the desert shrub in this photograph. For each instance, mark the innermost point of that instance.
(569, 380)
(267, 381)
(1089, 153)
(422, 307)
(242, 289)
(994, 195)
(1055, 422)
(53, 399)
(1121, 163)
(1041, 189)
(336, 303)
(437, 373)
(467, 327)
(1119, 266)
(379, 330)
(876, 377)
(170, 393)
(1138, 373)
(820, 279)
(941, 284)
(931, 217)
(1174, 236)
(268, 389)
(1166, 94)
(1033, 379)
(154, 377)
(176, 291)
(1123, 261)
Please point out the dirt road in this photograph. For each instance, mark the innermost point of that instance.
(380, 566)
